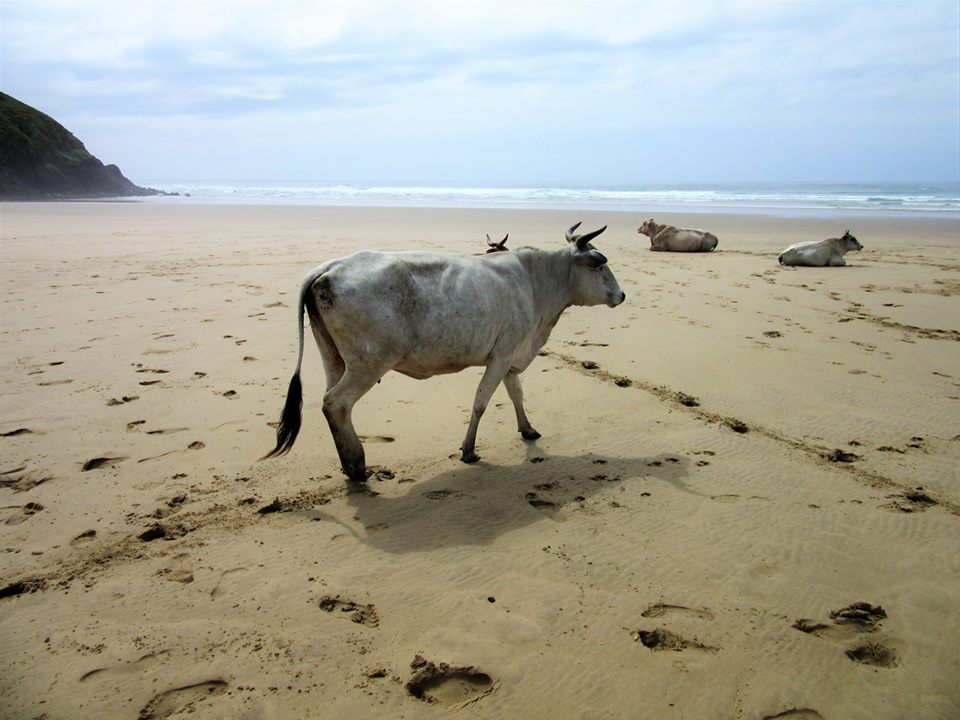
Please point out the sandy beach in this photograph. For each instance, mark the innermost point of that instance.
(745, 503)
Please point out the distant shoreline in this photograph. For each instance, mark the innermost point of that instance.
(784, 200)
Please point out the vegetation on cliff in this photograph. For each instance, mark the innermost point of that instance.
(42, 160)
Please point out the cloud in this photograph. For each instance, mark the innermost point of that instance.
(417, 73)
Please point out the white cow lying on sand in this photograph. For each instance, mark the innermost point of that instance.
(671, 239)
(820, 253)
(424, 314)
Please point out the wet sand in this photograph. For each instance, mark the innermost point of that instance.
(745, 503)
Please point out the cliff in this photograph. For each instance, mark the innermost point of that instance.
(42, 160)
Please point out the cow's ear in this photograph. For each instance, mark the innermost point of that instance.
(591, 259)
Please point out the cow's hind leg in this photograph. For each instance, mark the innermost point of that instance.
(515, 391)
(338, 405)
(488, 383)
(333, 364)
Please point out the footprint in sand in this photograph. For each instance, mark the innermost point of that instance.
(99, 462)
(20, 480)
(376, 438)
(795, 714)
(550, 508)
(139, 665)
(181, 700)
(113, 402)
(355, 612)
(163, 532)
(850, 622)
(441, 494)
(22, 512)
(663, 610)
(87, 536)
(910, 502)
(445, 684)
(166, 431)
(179, 569)
(873, 654)
(226, 581)
(661, 639)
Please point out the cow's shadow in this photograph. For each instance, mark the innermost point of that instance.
(475, 504)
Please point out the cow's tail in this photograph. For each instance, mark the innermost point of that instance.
(290, 419)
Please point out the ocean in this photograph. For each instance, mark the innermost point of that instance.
(914, 198)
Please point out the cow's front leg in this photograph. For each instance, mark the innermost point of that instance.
(488, 383)
(515, 391)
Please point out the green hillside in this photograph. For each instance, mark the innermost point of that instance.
(42, 160)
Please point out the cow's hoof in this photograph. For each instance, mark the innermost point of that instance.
(469, 458)
(530, 434)
(356, 475)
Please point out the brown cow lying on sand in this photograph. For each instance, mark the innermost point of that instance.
(671, 239)
(820, 253)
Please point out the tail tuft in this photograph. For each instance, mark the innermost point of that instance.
(290, 419)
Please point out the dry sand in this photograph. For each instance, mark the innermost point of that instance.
(731, 461)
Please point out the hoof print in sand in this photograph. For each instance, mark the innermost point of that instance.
(181, 700)
(690, 401)
(162, 532)
(23, 587)
(738, 426)
(361, 614)
(910, 502)
(873, 654)
(447, 684)
(540, 503)
(841, 456)
(660, 639)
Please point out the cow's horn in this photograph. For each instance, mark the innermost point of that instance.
(570, 236)
(584, 239)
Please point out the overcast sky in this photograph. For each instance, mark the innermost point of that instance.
(588, 93)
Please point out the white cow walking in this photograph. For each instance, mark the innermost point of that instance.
(820, 253)
(425, 314)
